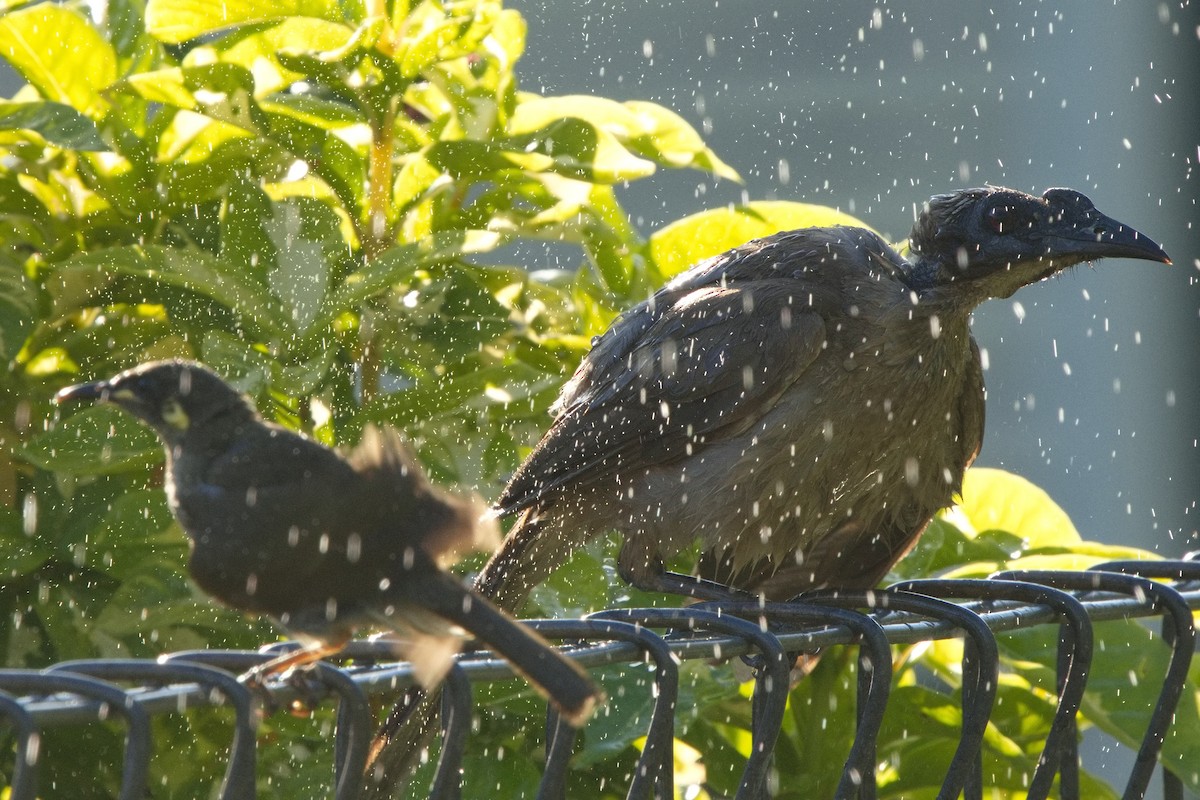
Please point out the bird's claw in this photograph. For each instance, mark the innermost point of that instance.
(309, 688)
(299, 679)
(255, 681)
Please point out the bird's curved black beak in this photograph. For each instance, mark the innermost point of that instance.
(1105, 237)
(97, 390)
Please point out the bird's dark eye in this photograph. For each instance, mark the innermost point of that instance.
(1000, 219)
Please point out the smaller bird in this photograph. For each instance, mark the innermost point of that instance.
(322, 543)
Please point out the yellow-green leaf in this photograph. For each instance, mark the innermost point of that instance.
(258, 52)
(665, 135)
(533, 113)
(58, 51)
(993, 499)
(699, 236)
(175, 21)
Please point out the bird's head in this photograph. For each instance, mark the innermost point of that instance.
(994, 241)
(172, 397)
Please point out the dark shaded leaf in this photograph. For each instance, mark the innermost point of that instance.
(96, 441)
(57, 123)
(18, 308)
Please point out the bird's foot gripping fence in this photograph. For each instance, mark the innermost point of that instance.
(766, 635)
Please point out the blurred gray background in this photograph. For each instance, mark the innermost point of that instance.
(873, 107)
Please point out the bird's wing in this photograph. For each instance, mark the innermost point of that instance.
(448, 526)
(268, 456)
(700, 364)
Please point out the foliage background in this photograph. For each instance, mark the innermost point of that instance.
(329, 204)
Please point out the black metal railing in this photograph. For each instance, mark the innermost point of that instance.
(919, 610)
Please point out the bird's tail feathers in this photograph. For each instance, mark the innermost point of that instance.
(527, 557)
(430, 651)
(401, 743)
(563, 682)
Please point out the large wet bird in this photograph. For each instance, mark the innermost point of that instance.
(801, 405)
(324, 544)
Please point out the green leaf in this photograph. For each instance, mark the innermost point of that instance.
(224, 92)
(57, 123)
(993, 499)
(193, 270)
(399, 262)
(668, 138)
(18, 308)
(20, 553)
(327, 115)
(468, 158)
(580, 149)
(57, 50)
(259, 50)
(96, 441)
(578, 587)
(175, 21)
(137, 536)
(647, 129)
(700, 236)
(535, 113)
(438, 32)
(438, 396)
(342, 167)
(307, 244)
(945, 546)
(624, 718)
(1122, 688)
(507, 38)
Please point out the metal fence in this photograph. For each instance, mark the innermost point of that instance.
(83, 691)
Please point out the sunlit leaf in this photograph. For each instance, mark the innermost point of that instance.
(534, 113)
(258, 49)
(581, 149)
(58, 51)
(997, 500)
(223, 92)
(665, 136)
(175, 21)
(648, 129)
(506, 42)
(699, 236)
(441, 32)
